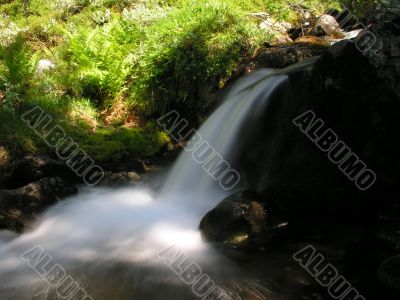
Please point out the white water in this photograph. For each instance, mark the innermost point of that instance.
(108, 239)
(226, 131)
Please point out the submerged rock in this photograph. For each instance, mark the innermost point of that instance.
(243, 220)
(18, 207)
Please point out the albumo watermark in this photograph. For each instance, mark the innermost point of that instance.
(203, 153)
(54, 275)
(337, 150)
(326, 274)
(366, 40)
(192, 274)
(66, 148)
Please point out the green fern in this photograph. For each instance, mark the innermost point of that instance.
(17, 69)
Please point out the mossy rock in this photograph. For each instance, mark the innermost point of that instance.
(243, 220)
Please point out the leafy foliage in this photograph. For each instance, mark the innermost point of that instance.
(360, 7)
(120, 60)
(17, 68)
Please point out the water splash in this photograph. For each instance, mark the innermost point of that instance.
(108, 239)
(226, 130)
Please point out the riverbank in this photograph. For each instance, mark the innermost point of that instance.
(104, 71)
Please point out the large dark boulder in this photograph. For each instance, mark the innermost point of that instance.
(19, 207)
(357, 94)
(243, 220)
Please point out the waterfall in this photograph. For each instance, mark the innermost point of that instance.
(225, 131)
(107, 240)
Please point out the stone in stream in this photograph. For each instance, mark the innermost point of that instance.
(243, 220)
(18, 207)
(326, 25)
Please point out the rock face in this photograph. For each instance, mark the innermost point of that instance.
(31, 184)
(326, 25)
(355, 93)
(18, 207)
(32, 168)
(285, 55)
(279, 56)
(243, 220)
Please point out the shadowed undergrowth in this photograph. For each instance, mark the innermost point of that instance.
(119, 64)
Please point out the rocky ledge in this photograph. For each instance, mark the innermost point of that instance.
(356, 93)
(31, 184)
(18, 207)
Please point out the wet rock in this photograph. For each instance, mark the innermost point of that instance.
(389, 272)
(243, 220)
(357, 94)
(384, 55)
(313, 40)
(345, 18)
(47, 189)
(326, 25)
(120, 178)
(18, 207)
(285, 55)
(265, 56)
(32, 168)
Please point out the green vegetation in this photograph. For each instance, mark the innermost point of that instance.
(360, 7)
(118, 64)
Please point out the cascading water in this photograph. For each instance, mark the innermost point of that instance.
(107, 240)
(220, 131)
